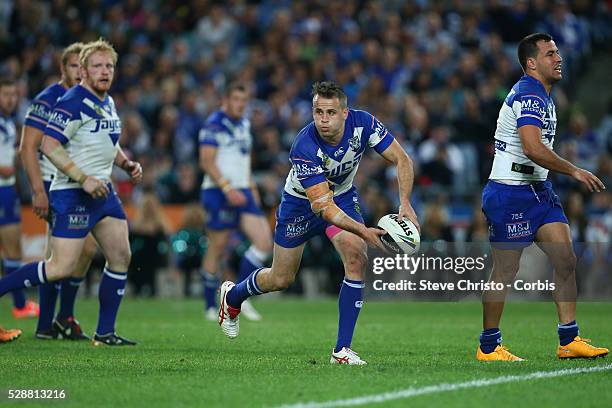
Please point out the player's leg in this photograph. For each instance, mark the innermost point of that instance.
(66, 252)
(353, 252)
(257, 230)
(285, 264)
(113, 237)
(10, 240)
(47, 297)
(505, 267)
(65, 322)
(211, 266)
(555, 240)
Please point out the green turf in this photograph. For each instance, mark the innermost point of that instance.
(182, 360)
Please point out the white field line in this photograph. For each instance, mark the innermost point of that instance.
(435, 389)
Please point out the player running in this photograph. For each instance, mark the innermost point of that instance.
(81, 140)
(230, 196)
(40, 172)
(521, 206)
(318, 197)
(10, 208)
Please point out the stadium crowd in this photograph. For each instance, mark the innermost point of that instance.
(434, 72)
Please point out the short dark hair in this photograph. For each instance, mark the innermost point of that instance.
(528, 47)
(329, 89)
(235, 86)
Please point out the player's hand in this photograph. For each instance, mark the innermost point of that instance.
(134, 169)
(590, 180)
(95, 188)
(407, 211)
(236, 198)
(372, 237)
(40, 204)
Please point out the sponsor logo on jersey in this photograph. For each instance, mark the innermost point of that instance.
(518, 229)
(60, 119)
(500, 145)
(305, 170)
(78, 221)
(339, 152)
(112, 125)
(38, 109)
(533, 105)
(343, 168)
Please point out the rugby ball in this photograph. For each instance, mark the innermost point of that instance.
(402, 236)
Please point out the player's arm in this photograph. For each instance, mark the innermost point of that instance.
(208, 164)
(405, 179)
(132, 168)
(7, 171)
(31, 139)
(53, 149)
(322, 203)
(535, 150)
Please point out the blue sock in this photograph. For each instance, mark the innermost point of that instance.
(567, 332)
(349, 306)
(68, 292)
(244, 290)
(112, 288)
(253, 259)
(32, 274)
(47, 297)
(490, 339)
(210, 283)
(9, 266)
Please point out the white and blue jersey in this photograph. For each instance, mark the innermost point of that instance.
(89, 130)
(518, 199)
(37, 116)
(9, 202)
(315, 161)
(233, 141)
(528, 103)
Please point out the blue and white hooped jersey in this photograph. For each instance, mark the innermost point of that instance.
(8, 140)
(526, 104)
(233, 141)
(314, 161)
(38, 115)
(89, 129)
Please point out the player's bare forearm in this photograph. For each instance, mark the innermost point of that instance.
(30, 143)
(536, 151)
(208, 164)
(405, 170)
(7, 171)
(322, 203)
(56, 153)
(121, 160)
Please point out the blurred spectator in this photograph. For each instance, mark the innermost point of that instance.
(189, 245)
(148, 240)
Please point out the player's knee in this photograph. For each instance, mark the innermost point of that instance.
(121, 259)
(89, 249)
(356, 257)
(58, 269)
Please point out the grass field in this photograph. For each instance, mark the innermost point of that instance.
(182, 360)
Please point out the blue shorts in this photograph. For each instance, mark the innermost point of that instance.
(296, 223)
(74, 213)
(515, 213)
(220, 215)
(10, 207)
